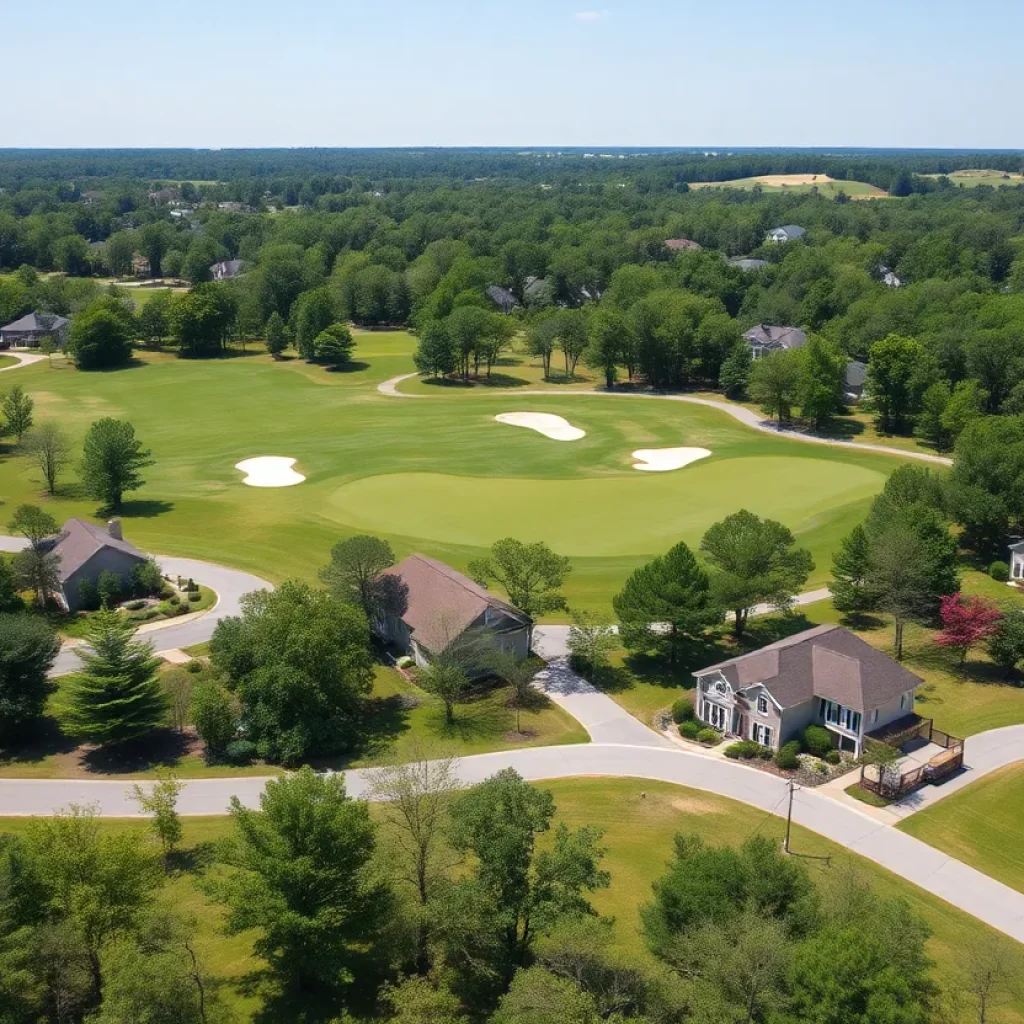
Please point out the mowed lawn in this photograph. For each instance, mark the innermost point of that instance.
(973, 178)
(981, 825)
(639, 819)
(435, 475)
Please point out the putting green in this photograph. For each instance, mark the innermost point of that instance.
(607, 515)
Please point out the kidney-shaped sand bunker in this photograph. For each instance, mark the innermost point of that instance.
(269, 471)
(546, 423)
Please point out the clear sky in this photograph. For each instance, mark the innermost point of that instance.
(225, 73)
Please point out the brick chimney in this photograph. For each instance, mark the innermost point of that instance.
(114, 529)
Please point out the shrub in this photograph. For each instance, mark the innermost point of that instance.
(689, 730)
(195, 666)
(88, 595)
(745, 749)
(1000, 572)
(832, 756)
(766, 753)
(817, 740)
(135, 606)
(240, 751)
(213, 714)
(195, 596)
(110, 588)
(683, 711)
(787, 758)
(146, 579)
(708, 736)
(174, 599)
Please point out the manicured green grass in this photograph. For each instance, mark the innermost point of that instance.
(7, 361)
(639, 819)
(981, 825)
(198, 650)
(799, 184)
(400, 722)
(865, 796)
(438, 476)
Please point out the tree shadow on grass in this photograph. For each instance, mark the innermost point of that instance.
(46, 740)
(145, 509)
(161, 748)
(354, 367)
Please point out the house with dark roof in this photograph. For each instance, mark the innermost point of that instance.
(764, 339)
(226, 270)
(502, 298)
(84, 551)
(441, 606)
(854, 380)
(823, 676)
(785, 233)
(32, 328)
(682, 245)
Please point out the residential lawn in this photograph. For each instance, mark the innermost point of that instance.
(198, 650)
(865, 796)
(800, 184)
(981, 825)
(639, 819)
(7, 361)
(400, 722)
(440, 476)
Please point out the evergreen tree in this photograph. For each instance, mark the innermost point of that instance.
(117, 695)
(850, 590)
(735, 371)
(277, 335)
(112, 457)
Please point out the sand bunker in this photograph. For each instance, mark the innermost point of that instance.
(660, 460)
(555, 427)
(269, 471)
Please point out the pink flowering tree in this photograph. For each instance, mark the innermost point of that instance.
(966, 621)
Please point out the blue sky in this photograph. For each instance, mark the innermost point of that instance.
(451, 72)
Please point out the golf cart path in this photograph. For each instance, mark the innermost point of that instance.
(229, 584)
(24, 359)
(738, 412)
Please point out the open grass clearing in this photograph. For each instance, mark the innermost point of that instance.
(800, 183)
(8, 361)
(376, 463)
(981, 825)
(971, 178)
(639, 819)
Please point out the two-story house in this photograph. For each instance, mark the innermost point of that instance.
(822, 676)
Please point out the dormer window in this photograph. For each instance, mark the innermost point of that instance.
(762, 705)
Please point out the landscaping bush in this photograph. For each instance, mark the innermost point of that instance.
(174, 599)
(110, 588)
(214, 716)
(689, 730)
(146, 579)
(240, 751)
(145, 615)
(195, 666)
(787, 758)
(747, 750)
(817, 740)
(683, 711)
(1000, 572)
(708, 736)
(766, 753)
(832, 756)
(135, 606)
(88, 596)
(195, 596)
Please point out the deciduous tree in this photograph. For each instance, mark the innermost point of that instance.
(530, 573)
(356, 575)
(774, 384)
(112, 460)
(28, 649)
(17, 406)
(49, 447)
(966, 622)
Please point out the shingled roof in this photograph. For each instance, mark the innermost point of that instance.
(36, 322)
(442, 603)
(826, 661)
(78, 541)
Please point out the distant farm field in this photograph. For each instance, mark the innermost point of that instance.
(800, 183)
(973, 178)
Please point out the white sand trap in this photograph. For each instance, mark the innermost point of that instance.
(660, 460)
(546, 423)
(269, 471)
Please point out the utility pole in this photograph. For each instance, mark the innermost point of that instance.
(789, 815)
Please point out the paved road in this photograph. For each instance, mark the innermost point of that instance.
(969, 890)
(24, 359)
(230, 585)
(738, 412)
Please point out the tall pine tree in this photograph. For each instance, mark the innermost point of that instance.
(117, 695)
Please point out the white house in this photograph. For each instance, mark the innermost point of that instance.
(786, 233)
(1017, 560)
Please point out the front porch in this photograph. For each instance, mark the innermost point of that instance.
(929, 755)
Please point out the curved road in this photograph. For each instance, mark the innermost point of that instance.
(230, 585)
(737, 412)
